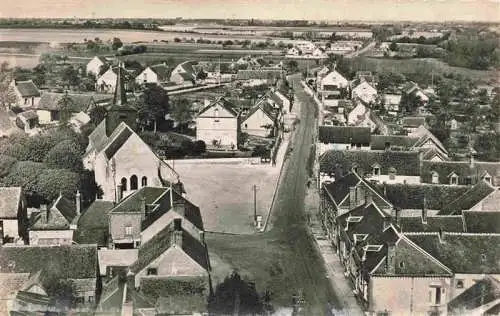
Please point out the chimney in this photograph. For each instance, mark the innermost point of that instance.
(424, 211)
(177, 233)
(395, 213)
(391, 258)
(143, 207)
(352, 197)
(179, 207)
(118, 193)
(78, 202)
(43, 213)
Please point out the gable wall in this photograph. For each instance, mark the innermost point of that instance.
(118, 222)
(51, 237)
(94, 66)
(164, 221)
(490, 203)
(253, 124)
(151, 76)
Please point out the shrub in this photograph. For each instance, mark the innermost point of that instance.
(199, 147)
(6, 164)
(64, 155)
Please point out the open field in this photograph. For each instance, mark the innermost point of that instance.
(423, 64)
(225, 195)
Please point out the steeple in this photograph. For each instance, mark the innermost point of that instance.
(120, 97)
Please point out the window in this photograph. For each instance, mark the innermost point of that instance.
(144, 181)
(152, 271)
(435, 295)
(216, 115)
(454, 179)
(401, 264)
(246, 125)
(392, 173)
(54, 115)
(387, 146)
(25, 100)
(468, 181)
(133, 182)
(376, 170)
(487, 179)
(91, 299)
(128, 230)
(137, 244)
(459, 284)
(124, 184)
(435, 177)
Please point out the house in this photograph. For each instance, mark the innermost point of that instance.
(280, 100)
(13, 215)
(51, 104)
(26, 93)
(154, 74)
(306, 47)
(411, 123)
(54, 225)
(262, 120)
(138, 218)
(75, 263)
(412, 89)
(362, 116)
(27, 121)
(482, 197)
(319, 52)
(112, 146)
(377, 166)
(391, 103)
(460, 172)
(106, 83)
(185, 73)
(343, 137)
(294, 51)
(333, 86)
(217, 124)
(93, 224)
(364, 92)
(259, 77)
(95, 64)
(482, 298)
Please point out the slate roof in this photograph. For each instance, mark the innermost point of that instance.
(481, 293)
(413, 121)
(267, 108)
(258, 74)
(469, 199)
(98, 138)
(62, 262)
(51, 101)
(10, 197)
(93, 224)
(411, 196)
(59, 215)
(463, 253)
(116, 140)
(378, 142)
(224, 103)
(406, 163)
(111, 296)
(344, 135)
(482, 222)
(453, 223)
(161, 242)
(462, 168)
(161, 70)
(340, 188)
(27, 89)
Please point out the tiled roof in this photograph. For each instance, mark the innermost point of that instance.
(116, 140)
(98, 137)
(463, 253)
(340, 188)
(161, 70)
(378, 142)
(344, 135)
(111, 296)
(411, 196)
(27, 89)
(62, 262)
(469, 199)
(259, 74)
(132, 203)
(480, 294)
(267, 108)
(59, 216)
(51, 101)
(413, 121)
(10, 198)
(482, 222)
(224, 103)
(405, 162)
(462, 168)
(452, 223)
(93, 224)
(102, 59)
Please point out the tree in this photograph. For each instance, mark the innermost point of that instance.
(97, 114)
(7, 95)
(117, 43)
(182, 112)
(25, 174)
(66, 106)
(52, 182)
(152, 106)
(65, 155)
(6, 165)
(488, 147)
(70, 76)
(40, 72)
(199, 147)
(292, 66)
(393, 47)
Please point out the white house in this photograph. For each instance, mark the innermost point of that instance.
(294, 51)
(26, 92)
(261, 120)
(106, 82)
(217, 124)
(185, 73)
(364, 92)
(153, 74)
(95, 64)
(306, 47)
(333, 81)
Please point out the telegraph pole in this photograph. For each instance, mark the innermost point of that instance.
(255, 204)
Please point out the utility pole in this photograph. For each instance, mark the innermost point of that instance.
(255, 204)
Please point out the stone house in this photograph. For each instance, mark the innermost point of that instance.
(13, 215)
(217, 124)
(26, 93)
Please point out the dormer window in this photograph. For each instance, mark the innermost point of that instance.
(355, 168)
(376, 169)
(487, 178)
(216, 115)
(435, 177)
(453, 178)
(152, 271)
(392, 173)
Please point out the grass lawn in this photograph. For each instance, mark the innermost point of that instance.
(224, 193)
(428, 64)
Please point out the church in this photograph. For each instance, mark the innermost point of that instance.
(122, 162)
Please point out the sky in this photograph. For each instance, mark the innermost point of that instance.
(367, 10)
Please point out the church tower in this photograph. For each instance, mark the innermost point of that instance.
(120, 110)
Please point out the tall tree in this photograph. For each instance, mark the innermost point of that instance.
(7, 95)
(66, 105)
(182, 112)
(152, 106)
